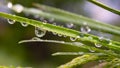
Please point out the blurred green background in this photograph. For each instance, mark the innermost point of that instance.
(38, 55)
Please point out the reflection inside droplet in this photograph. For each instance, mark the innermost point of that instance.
(85, 28)
(39, 32)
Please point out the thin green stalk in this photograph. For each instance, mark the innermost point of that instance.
(114, 45)
(77, 44)
(76, 19)
(79, 61)
(105, 7)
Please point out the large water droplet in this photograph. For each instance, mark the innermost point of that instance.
(24, 24)
(73, 39)
(91, 50)
(98, 45)
(70, 25)
(9, 5)
(39, 32)
(85, 28)
(11, 21)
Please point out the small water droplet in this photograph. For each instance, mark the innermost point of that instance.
(54, 24)
(98, 45)
(11, 21)
(24, 24)
(59, 35)
(41, 18)
(9, 5)
(91, 50)
(39, 32)
(73, 39)
(36, 16)
(51, 19)
(35, 38)
(85, 28)
(54, 33)
(70, 25)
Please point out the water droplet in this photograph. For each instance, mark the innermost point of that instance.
(59, 35)
(36, 16)
(24, 24)
(85, 28)
(39, 32)
(54, 33)
(35, 38)
(9, 5)
(51, 19)
(91, 50)
(70, 25)
(73, 39)
(11, 21)
(41, 18)
(18, 8)
(98, 45)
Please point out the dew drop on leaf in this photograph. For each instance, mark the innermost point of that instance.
(24, 24)
(39, 32)
(98, 45)
(85, 28)
(70, 25)
(91, 50)
(51, 20)
(11, 21)
(59, 35)
(73, 39)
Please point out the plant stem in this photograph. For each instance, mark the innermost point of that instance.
(68, 17)
(105, 7)
(79, 61)
(114, 45)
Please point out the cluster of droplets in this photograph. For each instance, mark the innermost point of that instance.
(85, 28)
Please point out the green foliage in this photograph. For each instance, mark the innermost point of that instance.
(108, 50)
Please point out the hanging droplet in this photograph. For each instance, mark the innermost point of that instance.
(24, 24)
(41, 18)
(11, 21)
(39, 32)
(91, 50)
(73, 39)
(9, 5)
(35, 38)
(51, 19)
(70, 25)
(98, 45)
(85, 28)
(59, 35)
(54, 33)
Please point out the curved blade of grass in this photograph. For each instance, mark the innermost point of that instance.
(77, 19)
(74, 53)
(105, 7)
(79, 61)
(114, 45)
(77, 44)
